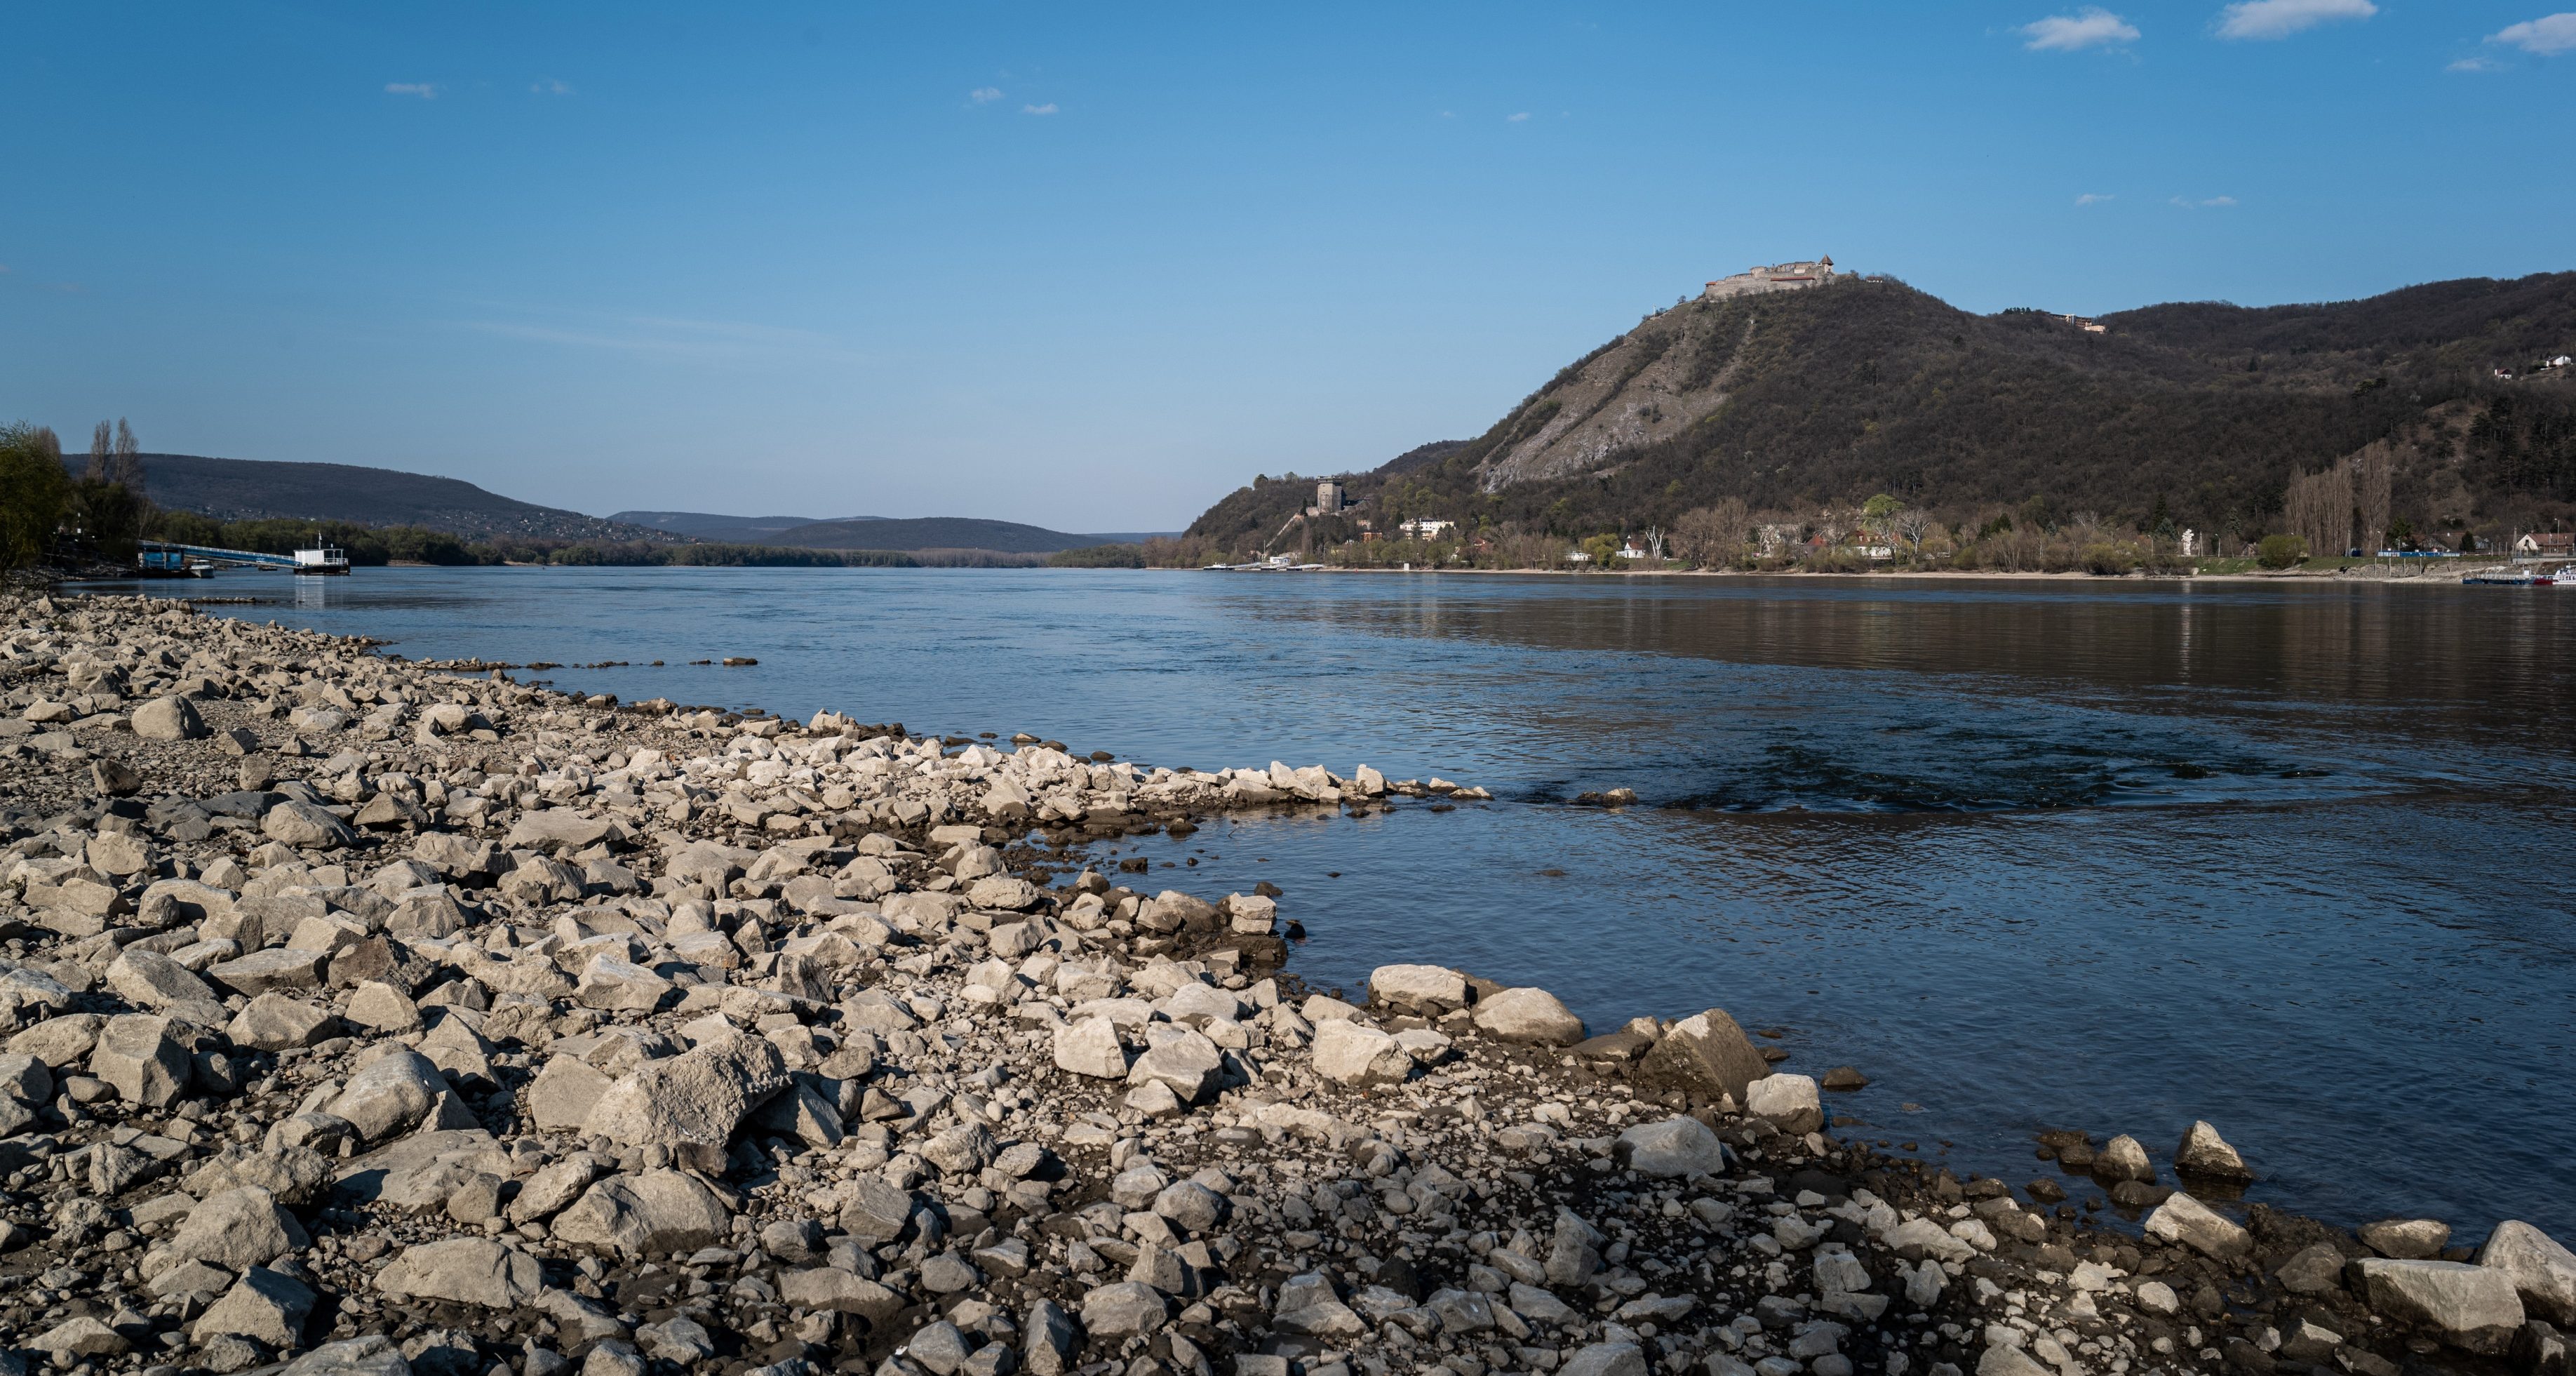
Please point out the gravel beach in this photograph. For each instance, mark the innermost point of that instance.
(373, 1017)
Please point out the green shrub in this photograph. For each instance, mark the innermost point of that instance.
(35, 494)
(2282, 551)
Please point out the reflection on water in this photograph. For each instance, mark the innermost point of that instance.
(2030, 854)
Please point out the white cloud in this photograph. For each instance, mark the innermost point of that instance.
(551, 88)
(2093, 27)
(2095, 198)
(2475, 64)
(2282, 18)
(1046, 109)
(985, 95)
(423, 89)
(2548, 36)
(1521, 118)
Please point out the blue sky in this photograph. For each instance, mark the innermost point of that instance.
(1093, 267)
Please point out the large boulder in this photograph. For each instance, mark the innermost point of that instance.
(263, 1304)
(563, 1094)
(2471, 1307)
(1349, 1053)
(1673, 1147)
(2205, 1154)
(1528, 1015)
(235, 1229)
(1126, 1309)
(149, 979)
(463, 1270)
(555, 830)
(2543, 1272)
(1706, 1054)
(136, 1055)
(637, 1216)
(1429, 990)
(2186, 1220)
(1180, 1057)
(1090, 1046)
(699, 1096)
(306, 826)
(390, 1095)
(1607, 1359)
(1790, 1102)
(169, 719)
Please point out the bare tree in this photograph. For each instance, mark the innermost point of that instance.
(125, 466)
(2373, 470)
(1655, 543)
(101, 441)
(1912, 524)
(1712, 536)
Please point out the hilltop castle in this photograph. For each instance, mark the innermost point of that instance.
(1776, 277)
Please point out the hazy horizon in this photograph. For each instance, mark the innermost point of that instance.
(1090, 272)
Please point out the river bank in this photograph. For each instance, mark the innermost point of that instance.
(401, 939)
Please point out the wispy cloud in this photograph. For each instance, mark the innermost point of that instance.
(1046, 109)
(2548, 36)
(551, 87)
(2188, 203)
(2095, 198)
(985, 95)
(2092, 27)
(426, 90)
(2282, 18)
(2475, 64)
(1521, 118)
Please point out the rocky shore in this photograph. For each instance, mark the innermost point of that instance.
(361, 1018)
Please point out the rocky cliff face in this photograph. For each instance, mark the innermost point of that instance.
(1649, 384)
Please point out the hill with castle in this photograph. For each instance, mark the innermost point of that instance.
(1795, 386)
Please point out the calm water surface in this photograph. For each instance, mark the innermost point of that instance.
(2293, 859)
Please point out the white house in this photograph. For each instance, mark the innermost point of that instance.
(1425, 528)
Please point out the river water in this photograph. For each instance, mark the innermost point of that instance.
(2044, 854)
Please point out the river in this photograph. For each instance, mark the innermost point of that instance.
(2030, 854)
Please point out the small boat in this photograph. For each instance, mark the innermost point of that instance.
(326, 559)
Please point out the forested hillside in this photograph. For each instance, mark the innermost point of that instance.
(2203, 413)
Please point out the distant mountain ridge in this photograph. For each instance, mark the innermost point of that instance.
(750, 530)
(259, 489)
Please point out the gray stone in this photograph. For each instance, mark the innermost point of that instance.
(237, 1229)
(2312, 1270)
(80, 1337)
(1348, 1053)
(380, 1007)
(1049, 1340)
(1089, 1046)
(373, 1355)
(2471, 1307)
(643, 1215)
(1191, 1206)
(564, 1092)
(277, 968)
(1706, 1054)
(296, 1174)
(841, 1291)
(2123, 1158)
(1179, 1057)
(1125, 1309)
(150, 979)
(2543, 1272)
(1430, 990)
(1674, 1147)
(1790, 1102)
(2186, 1220)
(136, 1055)
(391, 1095)
(306, 826)
(1606, 1359)
(169, 719)
(274, 1022)
(697, 1097)
(463, 1270)
(2003, 1359)
(940, 1347)
(555, 1185)
(2406, 1239)
(620, 986)
(1528, 1015)
(874, 1211)
(2206, 1154)
(263, 1304)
